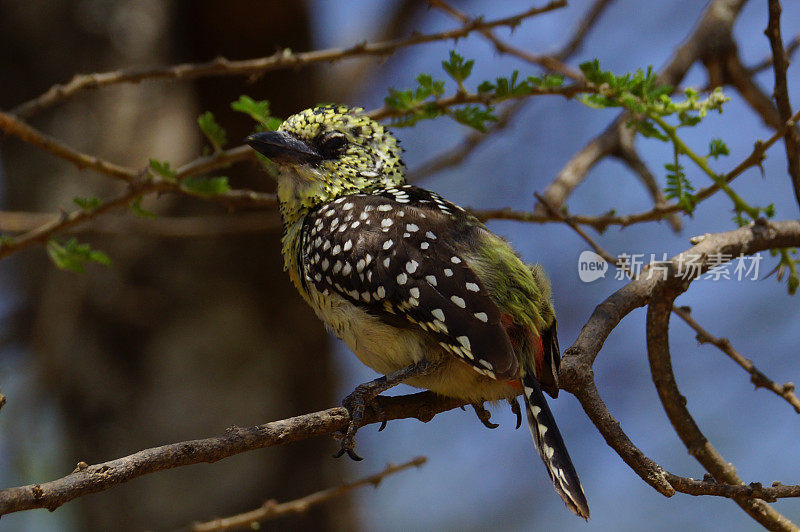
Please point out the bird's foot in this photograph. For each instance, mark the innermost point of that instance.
(356, 403)
(364, 396)
(515, 408)
(484, 415)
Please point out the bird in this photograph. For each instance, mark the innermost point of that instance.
(419, 289)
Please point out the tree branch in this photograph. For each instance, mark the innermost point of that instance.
(658, 314)
(781, 94)
(576, 375)
(713, 33)
(548, 62)
(272, 509)
(100, 477)
(281, 59)
(758, 378)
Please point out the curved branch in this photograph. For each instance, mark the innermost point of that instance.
(576, 374)
(658, 313)
(100, 477)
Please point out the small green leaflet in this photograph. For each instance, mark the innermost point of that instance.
(73, 256)
(678, 187)
(87, 204)
(258, 111)
(458, 69)
(212, 130)
(136, 208)
(163, 169)
(206, 186)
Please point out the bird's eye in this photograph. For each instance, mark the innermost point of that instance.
(331, 147)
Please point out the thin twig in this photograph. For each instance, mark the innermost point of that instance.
(712, 31)
(791, 48)
(12, 125)
(273, 509)
(586, 24)
(758, 378)
(781, 94)
(546, 61)
(457, 154)
(281, 59)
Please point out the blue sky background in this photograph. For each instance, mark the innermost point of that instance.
(476, 478)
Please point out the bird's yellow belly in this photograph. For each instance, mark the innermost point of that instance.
(386, 348)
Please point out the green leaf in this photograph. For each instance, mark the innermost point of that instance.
(163, 169)
(73, 256)
(89, 204)
(457, 67)
(552, 81)
(486, 86)
(136, 208)
(646, 128)
(212, 130)
(473, 116)
(716, 148)
(428, 87)
(509, 87)
(769, 210)
(258, 110)
(206, 186)
(678, 187)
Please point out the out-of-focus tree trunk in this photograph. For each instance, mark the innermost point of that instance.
(180, 338)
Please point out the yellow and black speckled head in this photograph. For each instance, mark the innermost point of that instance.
(325, 153)
(332, 151)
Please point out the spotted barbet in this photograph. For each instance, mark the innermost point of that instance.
(419, 289)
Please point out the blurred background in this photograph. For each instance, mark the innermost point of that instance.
(183, 337)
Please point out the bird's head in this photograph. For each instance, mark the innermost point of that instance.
(330, 151)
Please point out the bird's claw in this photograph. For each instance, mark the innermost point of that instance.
(484, 415)
(515, 408)
(356, 404)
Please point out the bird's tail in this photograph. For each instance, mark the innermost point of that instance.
(551, 448)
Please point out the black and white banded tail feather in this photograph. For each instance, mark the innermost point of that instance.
(550, 445)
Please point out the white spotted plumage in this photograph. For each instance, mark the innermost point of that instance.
(402, 275)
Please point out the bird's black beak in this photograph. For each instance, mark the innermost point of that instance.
(282, 148)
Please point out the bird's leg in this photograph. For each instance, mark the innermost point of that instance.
(364, 395)
(515, 408)
(484, 415)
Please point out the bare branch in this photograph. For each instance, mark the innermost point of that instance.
(272, 509)
(546, 61)
(576, 374)
(100, 477)
(281, 59)
(658, 313)
(457, 154)
(703, 336)
(781, 94)
(14, 126)
(540, 214)
(756, 376)
(12, 222)
(766, 63)
(582, 30)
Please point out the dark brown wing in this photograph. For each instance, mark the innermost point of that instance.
(395, 254)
